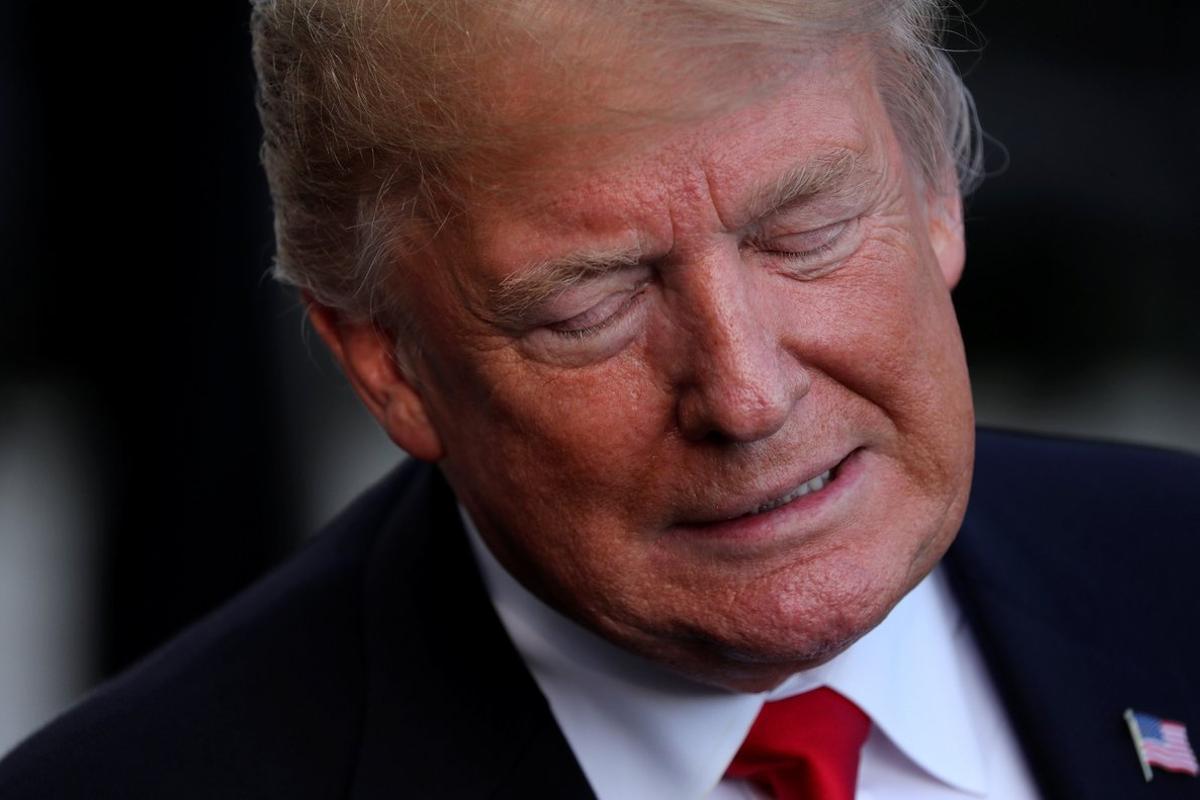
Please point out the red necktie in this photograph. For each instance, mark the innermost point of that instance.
(804, 747)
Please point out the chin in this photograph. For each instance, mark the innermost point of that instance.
(760, 666)
(783, 624)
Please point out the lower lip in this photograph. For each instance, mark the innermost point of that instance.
(800, 517)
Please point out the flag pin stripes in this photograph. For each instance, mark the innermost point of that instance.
(1161, 743)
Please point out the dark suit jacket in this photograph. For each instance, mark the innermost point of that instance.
(372, 664)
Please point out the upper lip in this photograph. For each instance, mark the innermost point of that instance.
(741, 505)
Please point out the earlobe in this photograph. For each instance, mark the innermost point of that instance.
(367, 356)
(946, 233)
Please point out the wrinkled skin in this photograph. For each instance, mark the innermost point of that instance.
(602, 432)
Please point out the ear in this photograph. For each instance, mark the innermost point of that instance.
(944, 218)
(367, 356)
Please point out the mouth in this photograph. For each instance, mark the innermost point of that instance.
(809, 494)
(815, 484)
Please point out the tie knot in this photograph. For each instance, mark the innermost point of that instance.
(806, 746)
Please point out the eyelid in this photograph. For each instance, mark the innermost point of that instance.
(623, 306)
(817, 239)
(825, 246)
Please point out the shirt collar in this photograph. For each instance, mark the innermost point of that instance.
(639, 730)
(906, 675)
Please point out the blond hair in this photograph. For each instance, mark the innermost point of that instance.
(369, 106)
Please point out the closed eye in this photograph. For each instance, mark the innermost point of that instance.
(607, 312)
(807, 253)
(810, 244)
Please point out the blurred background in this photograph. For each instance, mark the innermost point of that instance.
(169, 429)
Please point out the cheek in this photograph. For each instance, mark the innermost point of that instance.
(885, 335)
(590, 435)
(885, 325)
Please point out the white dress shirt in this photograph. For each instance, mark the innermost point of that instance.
(638, 731)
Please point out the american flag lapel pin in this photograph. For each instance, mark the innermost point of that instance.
(1161, 743)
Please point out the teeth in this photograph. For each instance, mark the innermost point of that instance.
(814, 485)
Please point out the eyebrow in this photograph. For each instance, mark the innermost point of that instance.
(530, 286)
(816, 176)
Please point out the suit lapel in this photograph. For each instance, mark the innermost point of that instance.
(1065, 683)
(451, 710)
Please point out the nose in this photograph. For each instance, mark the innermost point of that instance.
(739, 381)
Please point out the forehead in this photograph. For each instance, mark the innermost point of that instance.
(818, 127)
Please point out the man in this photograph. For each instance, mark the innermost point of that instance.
(662, 290)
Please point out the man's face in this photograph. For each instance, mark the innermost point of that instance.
(637, 362)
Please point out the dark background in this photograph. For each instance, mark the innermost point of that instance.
(173, 381)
